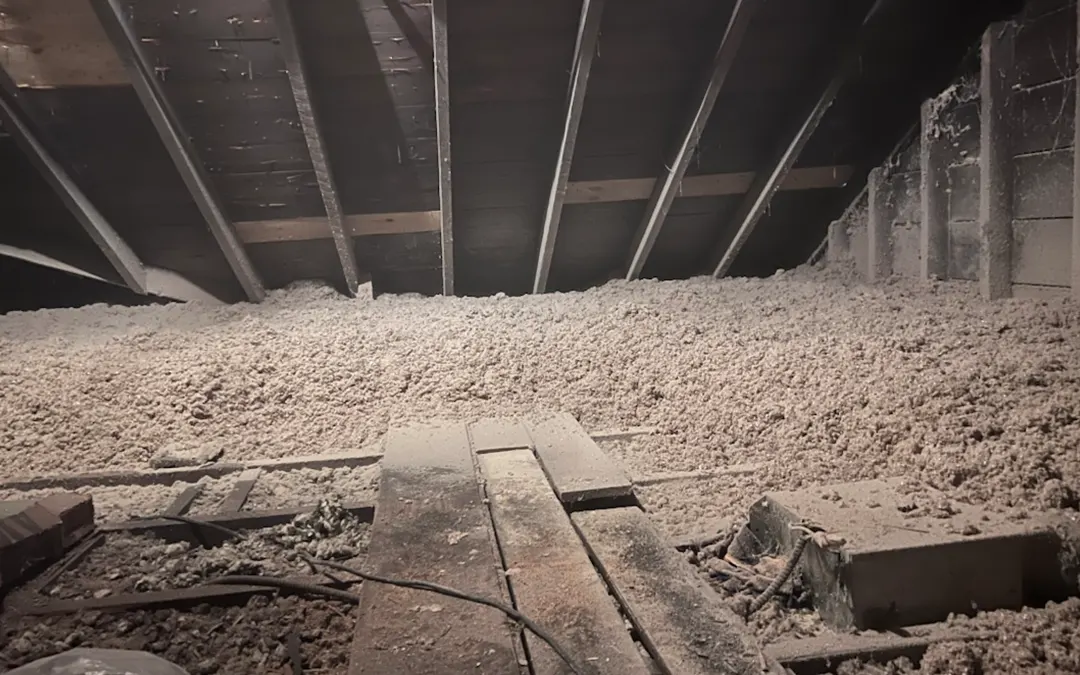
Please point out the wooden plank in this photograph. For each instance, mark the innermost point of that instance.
(820, 655)
(1043, 185)
(995, 161)
(442, 123)
(686, 628)
(756, 202)
(177, 141)
(664, 192)
(554, 583)
(964, 251)
(577, 468)
(431, 525)
(358, 225)
(183, 501)
(309, 121)
(584, 51)
(1044, 117)
(236, 498)
(879, 228)
(496, 434)
(246, 520)
(934, 198)
(173, 597)
(1042, 252)
(16, 119)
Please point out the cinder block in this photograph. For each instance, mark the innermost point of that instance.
(911, 557)
(29, 534)
(32, 533)
(75, 511)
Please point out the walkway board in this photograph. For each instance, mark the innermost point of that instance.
(498, 434)
(431, 525)
(553, 581)
(689, 631)
(576, 466)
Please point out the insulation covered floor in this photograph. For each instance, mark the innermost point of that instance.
(808, 376)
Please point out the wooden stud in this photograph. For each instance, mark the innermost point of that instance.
(177, 142)
(664, 192)
(878, 227)
(298, 81)
(757, 201)
(442, 124)
(995, 161)
(934, 193)
(238, 496)
(184, 500)
(1076, 185)
(584, 51)
(16, 120)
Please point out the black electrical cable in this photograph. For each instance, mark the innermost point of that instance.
(454, 593)
(287, 584)
(197, 523)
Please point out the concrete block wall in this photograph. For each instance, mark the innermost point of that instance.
(895, 229)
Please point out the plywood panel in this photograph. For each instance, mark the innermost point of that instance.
(907, 257)
(1042, 251)
(964, 250)
(1046, 48)
(964, 193)
(1045, 118)
(1044, 185)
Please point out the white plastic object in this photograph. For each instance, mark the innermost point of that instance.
(100, 662)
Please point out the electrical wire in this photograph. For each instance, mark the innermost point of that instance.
(769, 592)
(514, 614)
(287, 584)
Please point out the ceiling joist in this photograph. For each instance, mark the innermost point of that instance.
(298, 82)
(667, 186)
(126, 43)
(756, 202)
(17, 122)
(584, 51)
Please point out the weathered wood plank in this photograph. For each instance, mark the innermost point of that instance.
(496, 434)
(554, 583)
(577, 468)
(934, 198)
(183, 501)
(584, 51)
(442, 123)
(237, 497)
(879, 227)
(1042, 251)
(432, 525)
(685, 628)
(303, 229)
(309, 121)
(995, 161)
(664, 192)
(1042, 185)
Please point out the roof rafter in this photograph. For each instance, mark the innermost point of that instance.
(16, 118)
(584, 51)
(120, 32)
(757, 201)
(440, 52)
(309, 121)
(664, 192)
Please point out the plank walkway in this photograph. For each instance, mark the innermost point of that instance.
(432, 525)
(578, 469)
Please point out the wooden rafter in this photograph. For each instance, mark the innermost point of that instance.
(756, 202)
(668, 185)
(120, 32)
(440, 51)
(1076, 186)
(584, 51)
(933, 196)
(995, 160)
(298, 81)
(16, 121)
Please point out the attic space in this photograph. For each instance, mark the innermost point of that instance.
(681, 337)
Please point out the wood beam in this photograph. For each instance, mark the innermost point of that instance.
(309, 121)
(664, 192)
(995, 160)
(878, 227)
(577, 192)
(1076, 183)
(757, 201)
(934, 196)
(120, 32)
(584, 51)
(15, 117)
(440, 50)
